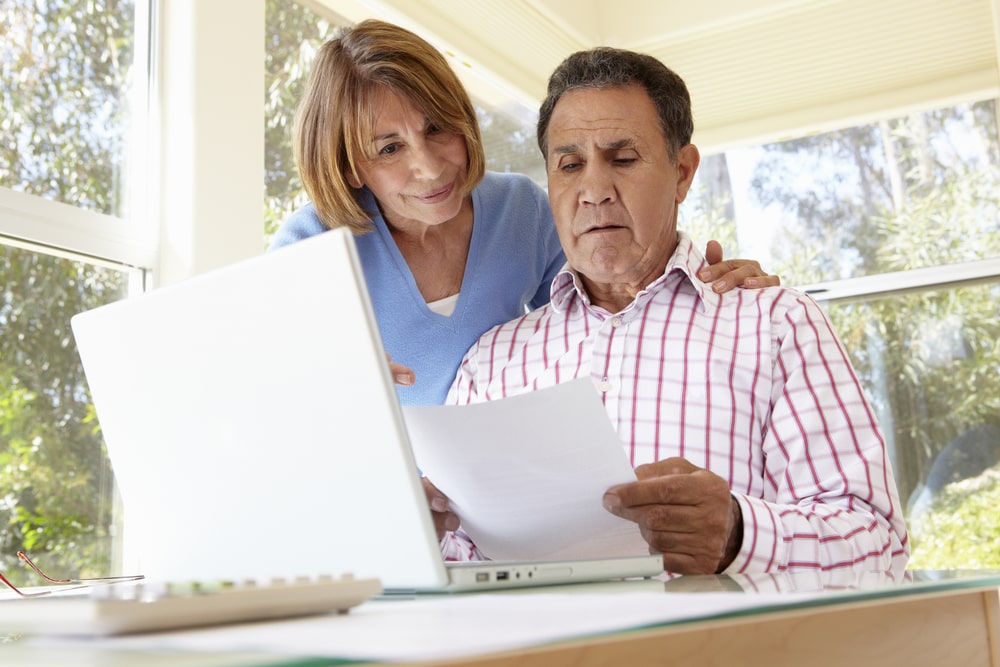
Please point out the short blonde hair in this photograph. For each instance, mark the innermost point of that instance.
(335, 120)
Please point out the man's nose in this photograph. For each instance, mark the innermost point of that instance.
(596, 186)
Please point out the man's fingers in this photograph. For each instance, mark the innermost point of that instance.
(682, 489)
(690, 545)
(674, 465)
(444, 519)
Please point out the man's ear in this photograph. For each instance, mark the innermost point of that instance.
(687, 164)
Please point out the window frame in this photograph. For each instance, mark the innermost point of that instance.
(197, 134)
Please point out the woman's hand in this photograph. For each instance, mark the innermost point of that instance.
(405, 376)
(725, 275)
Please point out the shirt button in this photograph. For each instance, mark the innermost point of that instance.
(616, 322)
(604, 385)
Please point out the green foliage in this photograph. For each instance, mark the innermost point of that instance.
(918, 191)
(55, 479)
(64, 125)
(63, 121)
(708, 212)
(294, 35)
(962, 527)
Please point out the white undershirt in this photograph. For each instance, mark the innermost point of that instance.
(445, 306)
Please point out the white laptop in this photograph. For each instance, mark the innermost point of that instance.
(254, 430)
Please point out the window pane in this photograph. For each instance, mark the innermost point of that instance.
(294, 34)
(64, 121)
(56, 487)
(930, 364)
(510, 144)
(906, 193)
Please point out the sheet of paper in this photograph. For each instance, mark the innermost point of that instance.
(526, 474)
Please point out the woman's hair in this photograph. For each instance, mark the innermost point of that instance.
(335, 120)
(607, 67)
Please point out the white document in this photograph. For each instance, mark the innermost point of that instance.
(526, 474)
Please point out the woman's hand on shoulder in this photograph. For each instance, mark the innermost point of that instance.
(724, 275)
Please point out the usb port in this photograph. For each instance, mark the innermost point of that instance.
(482, 577)
(503, 575)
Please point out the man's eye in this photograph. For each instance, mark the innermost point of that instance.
(569, 166)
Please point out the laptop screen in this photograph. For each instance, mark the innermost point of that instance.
(253, 427)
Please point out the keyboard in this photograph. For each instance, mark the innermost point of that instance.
(123, 608)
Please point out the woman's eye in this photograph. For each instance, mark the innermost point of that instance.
(389, 150)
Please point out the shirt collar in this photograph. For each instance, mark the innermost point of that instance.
(686, 260)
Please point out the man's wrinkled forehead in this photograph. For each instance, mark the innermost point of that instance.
(603, 119)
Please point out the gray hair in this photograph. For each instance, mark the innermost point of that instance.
(606, 67)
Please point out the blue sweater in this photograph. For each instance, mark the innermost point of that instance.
(513, 257)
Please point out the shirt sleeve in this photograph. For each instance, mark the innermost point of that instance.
(830, 500)
(464, 389)
(457, 546)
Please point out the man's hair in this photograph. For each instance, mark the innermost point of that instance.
(335, 119)
(606, 67)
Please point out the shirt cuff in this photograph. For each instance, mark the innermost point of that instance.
(457, 546)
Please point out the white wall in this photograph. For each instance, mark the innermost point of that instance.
(210, 101)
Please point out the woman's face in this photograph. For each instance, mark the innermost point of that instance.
(419, 170)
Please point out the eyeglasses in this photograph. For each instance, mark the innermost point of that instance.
(86, 582)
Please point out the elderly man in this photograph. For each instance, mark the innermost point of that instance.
(755, 448)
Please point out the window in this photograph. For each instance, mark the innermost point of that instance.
(929, 361)
(65, 246)
(294, 34)
(895, 226)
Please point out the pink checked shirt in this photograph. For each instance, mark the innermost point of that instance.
(752, 384)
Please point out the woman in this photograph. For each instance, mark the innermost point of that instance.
(387, 144)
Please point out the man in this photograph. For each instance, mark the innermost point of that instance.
(756, 449)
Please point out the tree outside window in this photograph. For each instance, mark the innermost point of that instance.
(65, 67)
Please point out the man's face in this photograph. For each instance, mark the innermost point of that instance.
(613, 188)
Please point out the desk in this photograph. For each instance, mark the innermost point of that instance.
(931, 619)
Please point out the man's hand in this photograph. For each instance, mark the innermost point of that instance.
(725, 275)
(444, 518)
(684, 512)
